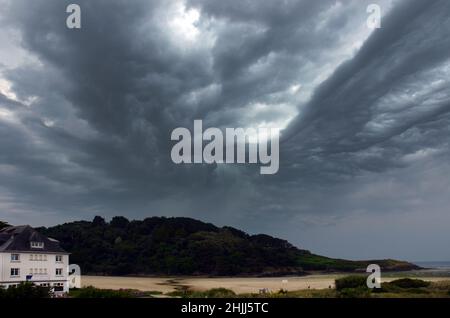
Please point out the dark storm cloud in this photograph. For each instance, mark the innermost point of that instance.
(128, 83)
(88, 131)
(263, 49)
(386, 108)
(394, 55)
(121, 85)
(378, 110)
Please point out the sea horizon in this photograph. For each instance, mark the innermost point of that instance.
(433, 264)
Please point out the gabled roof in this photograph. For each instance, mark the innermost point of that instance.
(19, 238)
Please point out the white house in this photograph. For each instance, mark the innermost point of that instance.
(27, 255)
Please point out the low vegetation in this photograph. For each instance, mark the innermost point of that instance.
(211, 293)
(312, 262)
(353, 281)
(92, 292)
(25, 291)
(409, 283)
(353, 286)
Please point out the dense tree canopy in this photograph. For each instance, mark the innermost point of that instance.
(183, 246)
(3, 225)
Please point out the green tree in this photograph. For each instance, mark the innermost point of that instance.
(98, 221)
(119, 222)
(3, 225)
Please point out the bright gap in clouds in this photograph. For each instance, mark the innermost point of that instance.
(182, 23)
(282, 116)
(5, 89)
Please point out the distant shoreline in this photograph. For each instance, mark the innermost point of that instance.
(434, 264)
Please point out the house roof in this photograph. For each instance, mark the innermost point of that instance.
(19, 238)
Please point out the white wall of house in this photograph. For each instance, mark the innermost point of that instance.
(42, 266)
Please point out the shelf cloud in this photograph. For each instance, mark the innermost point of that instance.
(86, 117)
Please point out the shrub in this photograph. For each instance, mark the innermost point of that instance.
(211, 293)
(417, 291)
(387, 288)
(358, 292)
(409, 283)
(154, 292)
(352, 281)
(92, 292)
(25, 291)
(184, 293)
(219, 293)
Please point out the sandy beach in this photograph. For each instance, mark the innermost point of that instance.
(237, 284)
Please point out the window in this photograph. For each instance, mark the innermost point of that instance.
(58, 287)
(39, 257)
(15, 258)
(15, 272)
(31, 257)
(59, 272)
(59, 258)
(37, 244)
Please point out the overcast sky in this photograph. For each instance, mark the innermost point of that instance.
(86, 117)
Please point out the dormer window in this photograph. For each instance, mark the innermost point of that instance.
(37, 244)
